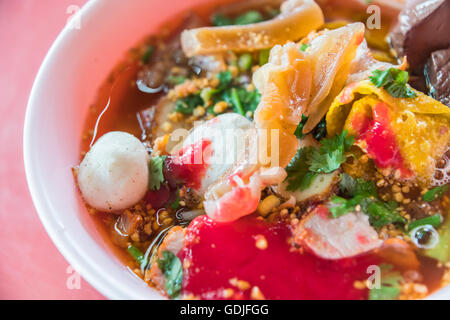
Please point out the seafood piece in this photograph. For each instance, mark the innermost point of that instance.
(331, 54)
(336, 238)
(226, 134)
(391, 130)
(114, 174)
(284, 83)
(297, 19)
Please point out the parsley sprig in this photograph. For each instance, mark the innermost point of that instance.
(156, 172)
(394, 81)
(331, 154)
(360, 192)
(235, 95)
(172, 269)
(309, 161)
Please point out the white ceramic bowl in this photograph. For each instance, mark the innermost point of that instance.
(74, 68)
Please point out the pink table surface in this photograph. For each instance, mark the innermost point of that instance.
(30, 265)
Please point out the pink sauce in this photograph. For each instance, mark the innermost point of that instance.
(190, 165)
(381, 141)
(217, 252)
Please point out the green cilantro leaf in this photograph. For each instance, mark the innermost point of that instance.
(331, 154)
(364, 193)
(219, 20)
(172, 269)
(176, 79)
(188, 104)
(249, 17)
(383, 213)
(435, 193)
(225, 78)
(298, 174)
(394, 81)
(156, 172)
(304, 47)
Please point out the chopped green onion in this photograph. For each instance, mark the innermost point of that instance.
(249, 17)
(435, 193)
(433, 220)
(220, 20)
(137, 255)
(176, 203)
(264, 56)
(236, 101)
(148, 53)
(304, 47)
(172, 79)
(245, 62)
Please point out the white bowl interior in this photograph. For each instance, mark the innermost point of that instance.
(66, 85)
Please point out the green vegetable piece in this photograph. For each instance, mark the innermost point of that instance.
(156, 172)
(442, 250)
(147, 54)
(382, 213)
(304, 47)
(245, 62)
(340, 206)
(433, 220)
(299, 131)
(249, 17)
(236, 102)
(172, 269)
(298, 175)
(394, 81)
(172, 79)
(331, 154)
(435, 193)
(188, 104)
(225, 78)
(137, 255)
(264, 56)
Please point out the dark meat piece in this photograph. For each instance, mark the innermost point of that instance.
(424, 27)
(167, 55)
(437, 74)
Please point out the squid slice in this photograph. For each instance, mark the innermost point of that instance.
(285, 84)
(331, 55)
(296, 20)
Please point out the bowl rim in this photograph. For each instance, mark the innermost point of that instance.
(92, 275)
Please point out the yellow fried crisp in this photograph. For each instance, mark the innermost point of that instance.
(421, 125)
